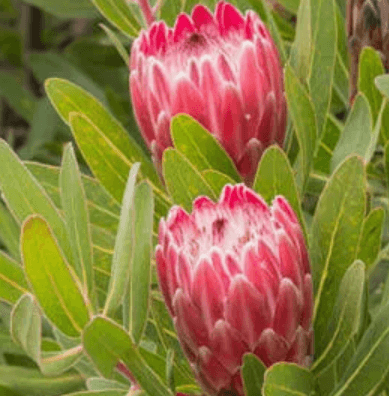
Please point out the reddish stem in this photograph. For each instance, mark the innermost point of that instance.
(147, 11)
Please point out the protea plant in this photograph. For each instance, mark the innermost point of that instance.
(236, 278)
(222, 69)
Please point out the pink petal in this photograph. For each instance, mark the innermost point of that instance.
(281, 203)
(207, 293)
(232, 121)
(299, 349)
(188, 322)
(163, 277)
(171, 260)
(233, 266)
(264, 280)
(182, 28)
(160, 38)
(266, 255)
(164, 139)
(212, 370)
(161, 85)
(288, 310)
(232, 18)
(267, 128)
(289, 261)
(225, 68)
(271, 348)
(187, 99)
(246, 310)
(308, 303)
(254, 199)
(194, 73)
(202, 16)
(210, 88)
(184, 273)
(154, 108)
(218, 263)
(251, 87)
(248, 163)
(141, 111)
(228, 346)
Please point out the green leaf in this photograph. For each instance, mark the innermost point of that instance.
(107, 344)
(116, 42)
(77, 220)
(9, 232)
(370, 239)
(183, 181)
(25, 196)
(124, 245)
(12, 281)
(105, 144)
(30, 382)
(119, 14)
(329, 139)
(345, 320)
(21, 100)
(97, 384)
(56, 363)
(323, 60)
(286, 379)
(217, 180)
(66, 8)
(303, 116)
(301, 51)
(26, 326)
(382, 83)
(357, 132)
(369, 367)
(140, 265)
(5, 391)
(51, 278)
(253, 372)
(370, 66)
(275, 177)
(335, 233)
(200, 147)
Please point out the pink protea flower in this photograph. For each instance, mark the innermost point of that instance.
(221, 69)
(236, 278)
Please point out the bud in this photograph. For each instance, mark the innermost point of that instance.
(221, 69)
(236, 278)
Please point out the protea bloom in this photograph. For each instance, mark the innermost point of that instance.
(236, 278)
(221, 69)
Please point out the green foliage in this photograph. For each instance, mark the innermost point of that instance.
(79, 221)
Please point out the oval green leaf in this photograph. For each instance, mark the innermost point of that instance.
(285, 379)
(51, 278)
(26, 326)
(335, 233)
(345, 320)
(77, 221)
(183, 181)
(123, 252)
(200, 147)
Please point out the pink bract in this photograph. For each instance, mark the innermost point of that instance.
(222, 69)
(235, 276)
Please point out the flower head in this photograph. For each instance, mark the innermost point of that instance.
(236, 278)
(222, 69)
